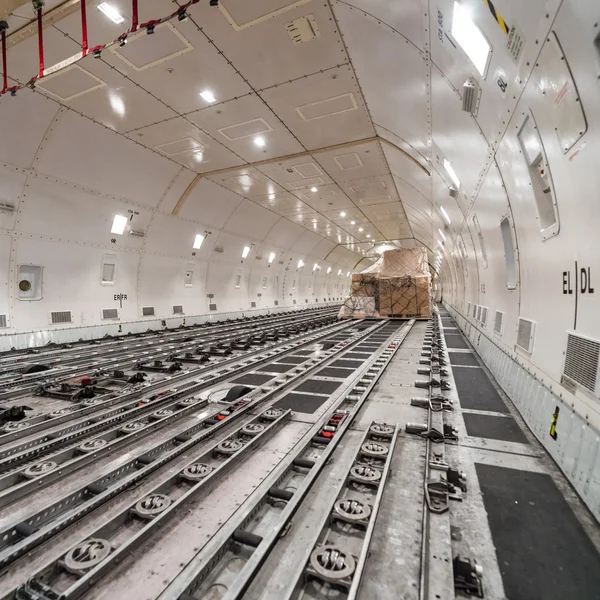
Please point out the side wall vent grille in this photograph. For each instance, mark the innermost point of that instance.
(469, 308)
(3, 321)
(177, 309)
(147, 311)
(276, 303)
(478, 317)
(63, 316)
(499, 323)
(110, 313)
(252, 304)
(525, 334)
(212, 307)
(475, 310)
(484, 312)
(582, 360)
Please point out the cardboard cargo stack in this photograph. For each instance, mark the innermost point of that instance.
(397, 285)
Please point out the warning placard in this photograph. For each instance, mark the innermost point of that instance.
(515, 44)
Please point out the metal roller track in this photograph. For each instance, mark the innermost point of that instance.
(20, 359)
(272, 504)
(333, 560)
(41, 422)
(93, 557)
(62, 374)
(163, 411)
(21, 537)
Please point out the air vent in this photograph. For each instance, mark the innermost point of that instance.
(147, 311)
(294, 302)
(177, 309)
(212, 307)
(219, 249)
(475, 310)
(484, 312)
(303, 29)
(276, 303)
(581, 362)
(110, 313)
(63, 316)
(138, 234)
(6, 208)
(478, 317)
(525, 334)
(499, 323)
(469, 308)
(252, 304)
(3, 322)
(470, 96)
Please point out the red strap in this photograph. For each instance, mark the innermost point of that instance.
(4, 73)
(40, 41)
(84, 34)
(134, 16)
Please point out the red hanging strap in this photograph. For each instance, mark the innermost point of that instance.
(40, 41)
(4, 73)
(84, 34)
(134, 15)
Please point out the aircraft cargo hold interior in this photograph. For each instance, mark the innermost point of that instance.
(299, 300)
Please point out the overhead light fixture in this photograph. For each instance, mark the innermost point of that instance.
(208, 96)
(198, 156)
(271, 257)
(316, 267)
(352, 222)
(452, 174)
(329, 270)
(300, 263)
(368, 235)
(314, 225)
(445, 215)
(271, 196)
(442, 234)
(198, 241)
(340, 272)
(342, 214)
(260, 141)
(360, 229)
(470, 38)
(111, 12)
(348, 274)
(313, 189)
(118, 225)
(245, 251)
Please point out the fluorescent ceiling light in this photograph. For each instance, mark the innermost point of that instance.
(368, 235)
(348, 274)
(245, 251)
(198, 241)
(271, 257)
(260, 141)
(300, 263)
(314, 225)
(208, 96)
(360, 229)
(328, 270)
(470, 38)
(452, 174)
(316, 267)
(313, 189)
(445, 215)
(442, 234)
(111, 12)
(352, 222)
(118, 225)
(340, 272)
(342, 214)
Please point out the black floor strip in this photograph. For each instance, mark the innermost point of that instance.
(463, 358)
(294, 360)
(333, 372)
(316, 386)
(252, 379)
(277, 368)
(475, 390)
(455, 340)
(543, 551)
(347, 364)
(491, 427)
(305, 403)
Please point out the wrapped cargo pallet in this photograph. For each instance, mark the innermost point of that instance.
(397, 285)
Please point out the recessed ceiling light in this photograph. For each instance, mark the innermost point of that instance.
(260, 141)
(442, 234)
(342, 214)
(271, 196)
(271, 257)
(245, 251)
(445, 215)
(118, 225)
(111, 12)
(198, 241)
(208, 96)
(313, 189)
(368, 235)
(300, 263)
(470, 38)
(360, 229)
(340, 272)
(316, 267)
(452, 174)
(328, 270)
(352, 222)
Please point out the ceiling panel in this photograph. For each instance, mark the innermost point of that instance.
(353, 161)
(296, 174)
(209, 204)
(251, 221)
(371, 190)
(184, 143)
(327, 197)
(247, 182)
(322, 109)
(239, 123)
